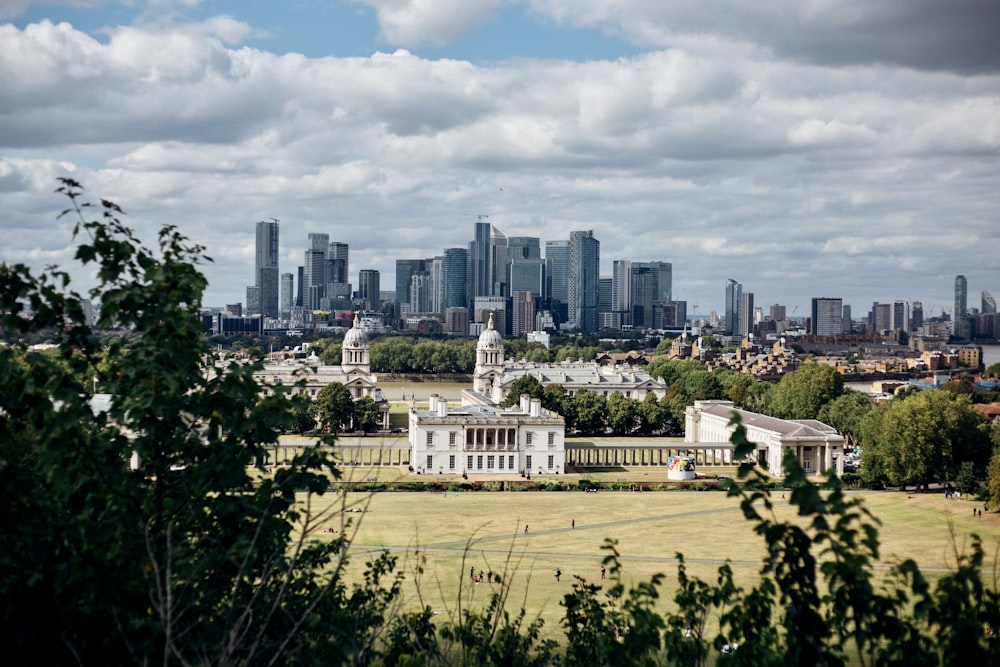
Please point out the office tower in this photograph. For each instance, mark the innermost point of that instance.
(746, 314)
(960, 327)
(584, 271)
(368, 289)
(528, 275)
(454, 270)
(314, 274)
(435, 268)
(266, 270)
(420, 292)
(498, 263)
(337, 269)
(557, 270)
(405, 268)
(523, 247)
(480, 273)
(881, 317)
(253, 300)
(621, 286)
(298, 287)
(847, 326)
(734, 294)
(989, 303)
(674, 314)
(827, 317)
(777, 313)
(643, 292)
(663, 275)
(917, 316)
(900, 317)
(524, 313)
(287, 293)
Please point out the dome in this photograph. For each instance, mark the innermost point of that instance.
(355, 336)
(490, 338)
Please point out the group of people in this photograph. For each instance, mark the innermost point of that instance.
(480, 577)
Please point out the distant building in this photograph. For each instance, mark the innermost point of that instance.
(817, 446)
(479, 438)
(827, 316)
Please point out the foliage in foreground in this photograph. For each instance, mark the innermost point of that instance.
(190, 560)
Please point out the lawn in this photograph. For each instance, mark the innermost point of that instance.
(452, 532)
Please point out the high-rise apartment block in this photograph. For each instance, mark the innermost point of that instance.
(584, 272)
(368, 289)
(264, 296)
(827, 316)
(734, 298)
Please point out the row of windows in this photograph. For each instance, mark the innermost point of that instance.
(492, 461)
(453, 438)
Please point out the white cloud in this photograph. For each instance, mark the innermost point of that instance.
(411, 23)
(726, 160)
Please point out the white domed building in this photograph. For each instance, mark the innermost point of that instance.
(354, 371)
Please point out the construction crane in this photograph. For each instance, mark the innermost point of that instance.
(480, 217)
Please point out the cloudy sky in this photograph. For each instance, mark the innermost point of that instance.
(846, 148)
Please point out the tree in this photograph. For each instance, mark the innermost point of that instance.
(334, 406)
(924, 438)
(623, 414)
(651, 414)
(367, 417)
(526, 384)
(801, 393)
(846, 413)
(187, 557)
(556, 399)
(591, 412)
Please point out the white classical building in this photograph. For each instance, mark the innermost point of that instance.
(481, 438)
(494, 375)
(817, 446)
(354, 371)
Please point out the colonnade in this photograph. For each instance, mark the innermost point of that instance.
(600, 455)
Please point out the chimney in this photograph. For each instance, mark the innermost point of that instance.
(442, 408)
(433, 403)
(536, 407)
(525, 399)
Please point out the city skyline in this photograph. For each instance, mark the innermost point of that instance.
(806, 150)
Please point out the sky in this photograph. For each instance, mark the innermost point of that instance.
(805, 148)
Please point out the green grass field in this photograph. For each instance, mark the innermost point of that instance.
(447, 533)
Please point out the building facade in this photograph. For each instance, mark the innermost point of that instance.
(817, 447)
(479, 439)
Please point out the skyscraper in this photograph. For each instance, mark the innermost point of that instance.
(827, 317)
(405, 270)
(584, 272)
(989, 303)
(746, 313)
(287, 295)
(524, 313)
(557, 270)
(900, 318)
(480, 273)
(314, 273)
(960, 328)
(266, 270)
(454, 270)
(368, 289)
(337, 268)
(734, 296)
(621, 288)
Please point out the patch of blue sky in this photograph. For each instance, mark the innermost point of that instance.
(347, 29)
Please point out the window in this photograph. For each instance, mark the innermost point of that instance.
(527, 438)
(452, 437)
(552, 461)
(469, 463)
(552, 438)
(489, 462)
(510, 461)
(451, 462)
(430, 462)
(479, 462)
(501, 463)
(430, 438)
(527, 461)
